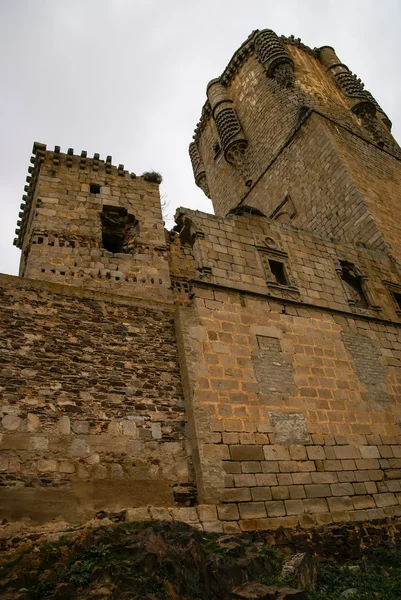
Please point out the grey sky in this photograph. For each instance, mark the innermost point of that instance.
(128, 77)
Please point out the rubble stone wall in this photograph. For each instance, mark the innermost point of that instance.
(92, 404)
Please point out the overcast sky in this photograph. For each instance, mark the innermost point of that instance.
(128, 77)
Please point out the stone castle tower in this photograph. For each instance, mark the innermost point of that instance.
(243, 371)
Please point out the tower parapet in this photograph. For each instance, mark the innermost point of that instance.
(87, 222)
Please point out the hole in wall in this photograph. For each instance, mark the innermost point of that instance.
(94, 188)
(278, 271)
(119, 230)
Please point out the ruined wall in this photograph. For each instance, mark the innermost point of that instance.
(62, 227)
(92, 404)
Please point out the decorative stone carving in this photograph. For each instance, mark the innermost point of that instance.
(198, 169)
(274, 57)
(364, 105)
(232, 138)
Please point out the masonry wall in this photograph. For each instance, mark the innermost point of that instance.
(63, 237)
(297, 412)
(340, 171)
(92, 404)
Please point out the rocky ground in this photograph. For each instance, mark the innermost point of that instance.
(172, 561)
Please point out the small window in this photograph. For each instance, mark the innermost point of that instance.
(94, 188)
(278, 271)
(397, 298)
(353, 285)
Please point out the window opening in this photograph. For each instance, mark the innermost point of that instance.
(119, 230)
(353, 286)
(278, 271)
(94, 188)
(397, 298)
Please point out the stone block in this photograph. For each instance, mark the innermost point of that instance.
(237, 494)
(264, 479)
(228, 512)
(207, 512)
(325, 477)
(383, 500)
(217, 527)
(79, 447)
(231, 527)
(247, 453)
(294, 507)
(185, 514)
(363, 502)
(33, 422)
(261, 493)
(342, 489)
(47, 465)
(276, 453)
(369, 451)
(252, 466)
(64, 425)
(80, 427)
(275, 508)
(133, 515)
(245, 480)
(315, 505)
(317, 491)
(297, 492)
(346, 452)
(231, 467)
(280, 492)
(315, 452)
(67, 467)
(252, 510)
(11, 422)
(340, 504)
(161, 513)
(38, 443)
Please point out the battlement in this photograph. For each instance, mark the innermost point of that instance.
(86, 222)
(41, 154)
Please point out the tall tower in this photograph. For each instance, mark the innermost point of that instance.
(292, 132)
(87, 223)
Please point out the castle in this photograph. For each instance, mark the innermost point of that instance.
(243, 371)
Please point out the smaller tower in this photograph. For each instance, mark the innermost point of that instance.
(87, 223)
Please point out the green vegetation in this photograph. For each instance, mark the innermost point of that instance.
(377, 576)
(166, 561)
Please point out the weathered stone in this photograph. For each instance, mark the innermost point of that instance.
(11, 422)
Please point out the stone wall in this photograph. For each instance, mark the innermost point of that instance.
(296, 423)
(292, 391)
(340, 167)
(62, 227)
(92, 404)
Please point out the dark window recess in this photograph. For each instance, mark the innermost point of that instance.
(94, 188)
(353, 285)
(119, 230)
(397, 298)
(278, 272)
